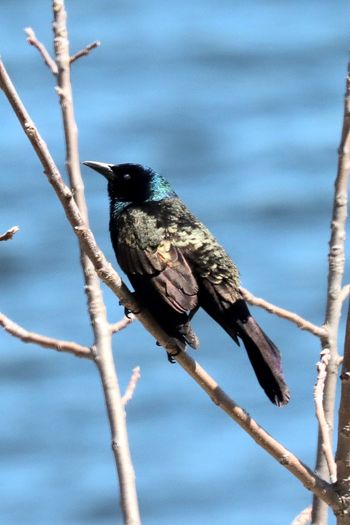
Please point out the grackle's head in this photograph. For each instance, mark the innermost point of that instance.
(132, 182)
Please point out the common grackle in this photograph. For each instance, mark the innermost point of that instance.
(176, 266)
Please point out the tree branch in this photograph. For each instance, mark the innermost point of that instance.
(105, 271)
(41, 340)
(336, 262)
(97, 311)
(304, 518)
(9, 234)
(303, 324)
(344, 294)
(343, 449)
(129, 392)
(123, 323)
(309, 479)
(33, 41)
(324, 430)
(85, 51)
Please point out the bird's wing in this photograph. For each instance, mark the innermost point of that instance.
(162, 269)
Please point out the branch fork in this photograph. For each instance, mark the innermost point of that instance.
(47, 58)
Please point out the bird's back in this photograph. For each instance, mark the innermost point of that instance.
(145, 226)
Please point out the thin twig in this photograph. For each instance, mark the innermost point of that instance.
(97, 310)
(303, 324)
(9, 234)
(85, 51)
(47, 342)
(130, 389)
(336, 263)
(110, 277)
(324, 430)
(123, 323)
(33, 41)
(304, 518)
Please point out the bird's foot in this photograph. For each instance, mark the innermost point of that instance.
(128, 312)
(172, 355)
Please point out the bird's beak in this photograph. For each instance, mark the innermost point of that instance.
(102, 167)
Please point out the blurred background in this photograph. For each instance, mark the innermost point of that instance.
(239, 104)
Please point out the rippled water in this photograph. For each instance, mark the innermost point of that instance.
(239, 104)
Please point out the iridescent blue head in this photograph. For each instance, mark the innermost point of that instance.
(133, 183)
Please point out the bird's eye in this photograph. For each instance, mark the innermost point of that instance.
(127, 176)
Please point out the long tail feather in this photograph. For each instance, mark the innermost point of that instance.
(263, 355)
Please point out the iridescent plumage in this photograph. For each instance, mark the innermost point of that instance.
(176, 266)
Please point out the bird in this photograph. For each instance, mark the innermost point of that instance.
(176, 266)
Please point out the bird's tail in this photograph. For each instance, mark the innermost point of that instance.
(263, 354)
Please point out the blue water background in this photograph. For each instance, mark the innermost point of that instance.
(239, 104)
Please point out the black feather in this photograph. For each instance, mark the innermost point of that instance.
(175, 266)
(262, 352)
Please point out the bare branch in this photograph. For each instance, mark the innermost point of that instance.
(9, 234)
(33, 41)
(303, 324)
(344, 294)
(336, 262)
(110, 277)
(286, 458)
(304, 518)
(324, 430)
(343, 449)
(97, 310)
(41, 340)
(123, 323)
(129, 392)
(85, 51)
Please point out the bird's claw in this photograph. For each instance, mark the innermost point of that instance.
(127, 311)
(172, 355)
